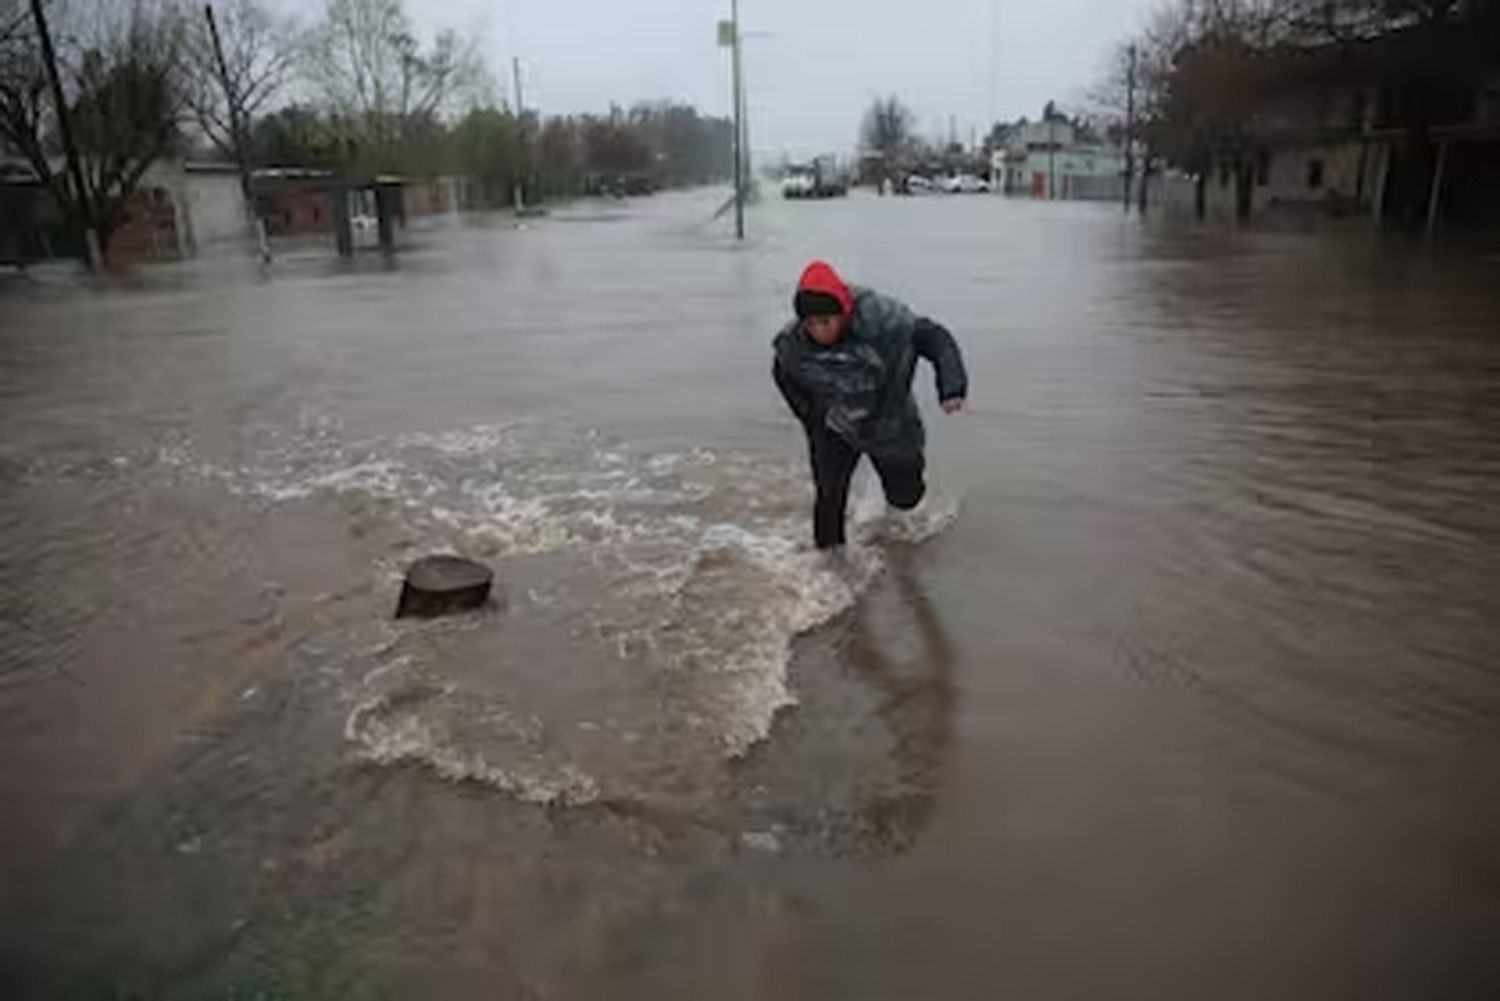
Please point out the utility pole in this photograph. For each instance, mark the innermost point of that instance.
(518, 196)
(237, 134)
(65, 127)
(747, 167)
(236, 131)
(739, 124)
(1130, 127)
(1051, 156)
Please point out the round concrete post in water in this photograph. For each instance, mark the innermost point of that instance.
(439, 585)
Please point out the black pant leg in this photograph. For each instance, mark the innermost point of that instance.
(902, 478)
(833, 462)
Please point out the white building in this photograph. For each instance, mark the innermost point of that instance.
(1046, 160)
(207, 208)
(213, 203)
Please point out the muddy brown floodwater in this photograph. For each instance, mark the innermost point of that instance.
(1186, 686)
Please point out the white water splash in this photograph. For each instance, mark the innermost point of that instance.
(705, 560)
(388, 736)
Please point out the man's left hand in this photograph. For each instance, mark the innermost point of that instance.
(954, 406)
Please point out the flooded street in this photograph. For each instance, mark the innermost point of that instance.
(1186, 685)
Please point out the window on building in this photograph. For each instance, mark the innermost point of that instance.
(1263, 168)
(1315, 174)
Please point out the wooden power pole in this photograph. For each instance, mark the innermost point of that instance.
(518, 198)
(237, 134)
(70, 149)
(1129, 127)
(232, 99)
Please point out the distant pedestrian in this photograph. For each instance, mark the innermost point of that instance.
(845, 366)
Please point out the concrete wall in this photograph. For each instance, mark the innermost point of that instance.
(1173, 193)
(1080, 172)
(1288, 179)
(207, 208)
(150, 227)
(214, 206)
(1094, 187)
(432, 196)
(295, 210)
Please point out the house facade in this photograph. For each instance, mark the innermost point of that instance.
(1403, 130)
(1047, 160)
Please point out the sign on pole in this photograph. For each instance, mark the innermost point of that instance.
(726, 34)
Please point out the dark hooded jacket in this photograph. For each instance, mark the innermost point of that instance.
(860, 388)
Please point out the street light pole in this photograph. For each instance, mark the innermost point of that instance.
(739, 125)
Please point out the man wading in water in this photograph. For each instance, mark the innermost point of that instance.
(845, 366)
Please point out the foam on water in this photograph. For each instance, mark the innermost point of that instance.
(702, 576)
(393, 728)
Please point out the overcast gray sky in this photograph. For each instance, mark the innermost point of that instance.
(812, 66)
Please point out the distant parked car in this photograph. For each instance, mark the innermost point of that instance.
(963, 184)
(916, 184)
(817, 182)
(797, 186)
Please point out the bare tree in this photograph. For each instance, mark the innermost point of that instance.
(1175, 27)
(1356, 20)
(23, 79)
(257, 56)
(120, 70)
(1136, 84)
(15, 20)
(1206, 66)
(376, 79)
(888, 129)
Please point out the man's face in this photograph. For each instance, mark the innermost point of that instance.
(825, 330)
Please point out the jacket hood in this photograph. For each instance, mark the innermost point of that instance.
(820, 277)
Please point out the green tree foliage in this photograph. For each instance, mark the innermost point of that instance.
(689, 149)
(486, 146)
(294, 136)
